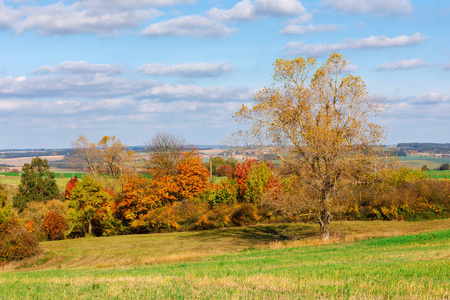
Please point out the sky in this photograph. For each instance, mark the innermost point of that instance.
(137, 67)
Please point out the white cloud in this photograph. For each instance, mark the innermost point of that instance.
(100, 85)
(121, 4)
(302, 19)
(98, 17)
(432, 98)
(90, 85)
(248, 10)
(61, 19)
(306, 29)
(382, 7)
(372, 42)
(351, 67)
(80, 67)
(168, 92)
(7, 16)
(403, 64)
(187, 70)
(193, 26)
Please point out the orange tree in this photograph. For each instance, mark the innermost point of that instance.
(316, 120)
(192, 176)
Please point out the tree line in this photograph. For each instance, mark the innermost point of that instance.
(315, 119)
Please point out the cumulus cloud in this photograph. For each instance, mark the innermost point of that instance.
(248, 10)
(98, 16)
(80, 67)
(187, 70)
(307, 29)
(192, 26)
(7, 16)
(83, 81)
(121, 4)
(404, 64)
(382, 7)
(91, 85)
(302, 19)
(62, 20)
(372, 42)
(168, 92)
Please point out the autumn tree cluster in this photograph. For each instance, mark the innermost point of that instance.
(317, 120)
(326, 163)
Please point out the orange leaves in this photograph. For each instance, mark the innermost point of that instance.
(192, 177)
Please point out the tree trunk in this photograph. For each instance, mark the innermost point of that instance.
(324, 221)
(90, 227)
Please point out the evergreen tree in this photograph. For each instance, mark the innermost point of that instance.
(36, 184)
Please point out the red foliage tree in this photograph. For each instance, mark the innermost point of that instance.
(54, 225)
(225, 170)
(241, 174)
(69, 186)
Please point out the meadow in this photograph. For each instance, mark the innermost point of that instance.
(13, 179)
(364, 260)
(416, 161)
(441, 174)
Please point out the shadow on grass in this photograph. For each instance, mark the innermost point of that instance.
(258, 234)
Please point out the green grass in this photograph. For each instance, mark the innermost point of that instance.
(414, 266)
(441, 174)
(13, 179)
(417, 161)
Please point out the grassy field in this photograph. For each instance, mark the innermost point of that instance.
(416, 161)
(442, 174)
(13, 179)
(258, 262)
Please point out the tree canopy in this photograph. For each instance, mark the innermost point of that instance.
(316, 119)
(36, 184)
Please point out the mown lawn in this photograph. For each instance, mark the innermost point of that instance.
(401, 267)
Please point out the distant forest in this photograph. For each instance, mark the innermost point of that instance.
(426, 147)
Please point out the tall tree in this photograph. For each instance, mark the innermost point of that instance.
(114, 155)
(166, 152)
(36, 184)
(316, 120)
(87, 153)
(90, 207)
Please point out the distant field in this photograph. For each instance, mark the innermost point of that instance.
(400, 267)
(444, 174)
(14, 179)
(417, 161)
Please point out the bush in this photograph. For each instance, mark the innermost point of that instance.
(54, 226)
(162, 219)
(245, 214)
(16, 242)
(218, 217)
(5, 208)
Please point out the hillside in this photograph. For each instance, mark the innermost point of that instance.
(401, 267)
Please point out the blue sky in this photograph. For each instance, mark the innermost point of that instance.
(133, 68)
